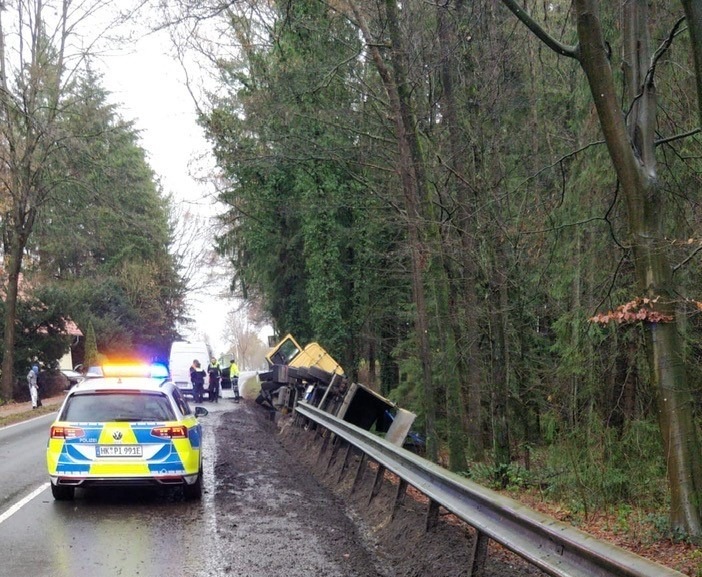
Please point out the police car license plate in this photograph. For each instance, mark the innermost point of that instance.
(119, 451)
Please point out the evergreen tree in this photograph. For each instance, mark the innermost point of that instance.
(91, 349)
(104, 235)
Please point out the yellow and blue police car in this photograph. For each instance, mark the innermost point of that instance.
(126, 429)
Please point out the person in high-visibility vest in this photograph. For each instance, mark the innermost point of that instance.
(234, 376)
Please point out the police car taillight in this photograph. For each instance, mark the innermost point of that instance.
(174, 432)
(58, 432)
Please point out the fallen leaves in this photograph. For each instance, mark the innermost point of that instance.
(641, 309)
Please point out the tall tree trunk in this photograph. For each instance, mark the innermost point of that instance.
(411, 177)
(372, 377)
(28, 117)
(13, 266)
(575, 343)
(645, 211)
(630, 144)
(499, 311)
(18, 223)
(462, 292)
(412, 170)
(693, 15)
(389, 371)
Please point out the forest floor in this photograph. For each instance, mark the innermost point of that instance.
(634, 532)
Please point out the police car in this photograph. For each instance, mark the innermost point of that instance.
(130, 427)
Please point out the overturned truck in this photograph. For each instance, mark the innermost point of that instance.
(311, 374)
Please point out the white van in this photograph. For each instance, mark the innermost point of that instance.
(183, 353)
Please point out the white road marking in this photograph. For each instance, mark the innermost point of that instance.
(17, 506)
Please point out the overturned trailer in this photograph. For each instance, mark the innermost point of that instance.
(312, 375)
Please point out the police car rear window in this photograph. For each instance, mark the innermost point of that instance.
(118, 406)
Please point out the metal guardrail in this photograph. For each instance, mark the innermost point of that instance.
(554, 547)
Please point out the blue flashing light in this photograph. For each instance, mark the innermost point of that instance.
(131, 369)
(159, 371)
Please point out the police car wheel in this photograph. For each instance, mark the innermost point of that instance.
(193, 492)
(63, 493)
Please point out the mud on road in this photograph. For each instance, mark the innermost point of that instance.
(281, 511)
(273, 517)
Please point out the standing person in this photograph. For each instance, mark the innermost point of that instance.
(226, 382)
(234, 376)
(33, 382)
(197, 378)
(214, 373)
(36, 368)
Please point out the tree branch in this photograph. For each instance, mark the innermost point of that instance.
(688, 259)
(535, 27)
(675, 137)
(662, 49)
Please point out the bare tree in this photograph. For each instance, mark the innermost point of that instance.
(192, 247)
(44, 46)
(245, 346)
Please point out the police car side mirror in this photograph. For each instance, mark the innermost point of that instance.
(201, 412)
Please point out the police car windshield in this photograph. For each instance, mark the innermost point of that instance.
(118, 406)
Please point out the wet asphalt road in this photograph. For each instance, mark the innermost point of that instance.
(257, 517)
(107, 532)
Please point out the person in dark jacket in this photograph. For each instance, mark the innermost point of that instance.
(215, 374)
(197, 378)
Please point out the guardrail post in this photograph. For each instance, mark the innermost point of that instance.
(359, 472)
(432, 515)
(323, 448)
(303, 423)
(312, 434)
(380, 473)
(478, 554)
(297, 427)
(336, 444)
(347, 461)
(399, 497)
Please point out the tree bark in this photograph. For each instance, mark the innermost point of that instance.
(646, 212)
(13, 266)
(411, 177)
(462, 291)
(630, 144)
(693, 15)
(29, 118)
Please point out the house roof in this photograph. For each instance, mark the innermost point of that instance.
(72, 329)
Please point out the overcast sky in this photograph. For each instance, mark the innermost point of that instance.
(148, 84)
